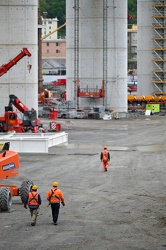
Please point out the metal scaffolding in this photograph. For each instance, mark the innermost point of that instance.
(159, 42)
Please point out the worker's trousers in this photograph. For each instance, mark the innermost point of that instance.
(34, 213)
(105, 165)
(55, 211)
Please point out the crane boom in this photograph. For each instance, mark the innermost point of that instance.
(5, 67)
(53, 31)
(14, 100)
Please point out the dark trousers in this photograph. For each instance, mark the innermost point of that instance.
(55, 211)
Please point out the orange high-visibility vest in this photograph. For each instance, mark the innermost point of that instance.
(33, 199)
(105, 155)
(55, 196)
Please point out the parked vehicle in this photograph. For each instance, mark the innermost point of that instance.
(9, 168)
(132, 86)
(23, 121)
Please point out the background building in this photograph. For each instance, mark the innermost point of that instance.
(49, 25)
(53, 52)
(132, 47)
(54, 49)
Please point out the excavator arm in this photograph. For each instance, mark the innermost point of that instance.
(5, 67)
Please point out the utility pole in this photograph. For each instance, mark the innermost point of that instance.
(76, 53)
(40, 78)
(105, 38)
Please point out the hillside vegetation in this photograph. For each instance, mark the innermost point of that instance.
(57, 8)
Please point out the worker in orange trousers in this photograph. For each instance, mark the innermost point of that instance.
(105, 158)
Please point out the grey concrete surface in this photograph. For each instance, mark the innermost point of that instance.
(122, 209)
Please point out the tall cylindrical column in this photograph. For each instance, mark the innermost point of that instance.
(144, 47)
(19, 24)
(91, 51)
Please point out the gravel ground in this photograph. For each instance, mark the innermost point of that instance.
(122, 209)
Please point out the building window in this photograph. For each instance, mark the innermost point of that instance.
(57, 51)
(47, 51)
(49, 27)
(57, 44)
(48, 44)
(49, 22)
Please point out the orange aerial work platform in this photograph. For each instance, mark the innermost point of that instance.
(89, 94)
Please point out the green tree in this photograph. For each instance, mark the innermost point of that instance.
(132, 10)
(43, 6)
(55, 8)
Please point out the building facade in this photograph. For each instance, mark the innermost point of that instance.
(132, 47)
(49, 26)
(54, 49)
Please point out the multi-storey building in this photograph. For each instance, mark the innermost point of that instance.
(54, 49)
(49, 25)
(132, 47)
(54, 57)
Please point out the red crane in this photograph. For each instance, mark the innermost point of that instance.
(5, 67)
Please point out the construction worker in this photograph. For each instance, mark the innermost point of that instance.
(105, 158)
(55, 197)
(33, 201)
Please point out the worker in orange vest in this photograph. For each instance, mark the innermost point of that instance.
(33, 201)
(55, 197)
(105, 158)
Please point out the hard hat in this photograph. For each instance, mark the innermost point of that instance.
(55, 184)
(34, 187)
(105, 147)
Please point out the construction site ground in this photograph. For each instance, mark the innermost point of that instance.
(121, 209)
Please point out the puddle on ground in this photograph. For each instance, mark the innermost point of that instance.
(149, 148)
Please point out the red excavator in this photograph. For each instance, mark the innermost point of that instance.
(21, 122)
(9, 168)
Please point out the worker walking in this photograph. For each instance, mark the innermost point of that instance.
(105, 158)
(33, 201)
(55, 197)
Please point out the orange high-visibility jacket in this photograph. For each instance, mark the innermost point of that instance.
(55, 196)
(33, 199)
(105, 155)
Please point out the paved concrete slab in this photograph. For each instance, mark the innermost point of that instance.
(123, 208)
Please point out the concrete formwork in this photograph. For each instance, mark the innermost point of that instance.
(91, 51)
(19, 20)
(144, 47)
